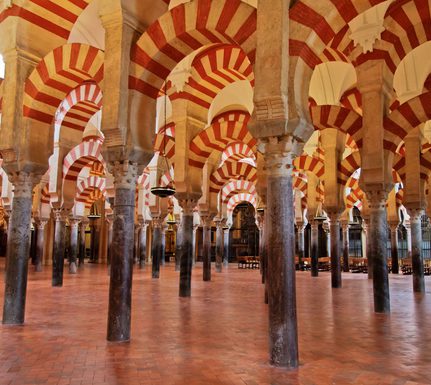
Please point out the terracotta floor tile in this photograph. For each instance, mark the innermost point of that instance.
(217, 337)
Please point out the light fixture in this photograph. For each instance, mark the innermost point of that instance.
(169, 190)
(260, 210)
(94, 212)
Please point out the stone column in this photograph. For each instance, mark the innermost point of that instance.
(219, 246)
(280, 217)
(82, 227)
(394, 247)
(73, 256)
(417, 260)
(226, 233)
(143, 244)
(206, 248)
(18, 247)
(377, 241)
(178, 245)
(301, 244)
(407, 225)
(59, 247)
(186, 246)
(369, 254)
(195, 229)
(39, 244)
(345, 226)
(136, 244)
(334, 217)
(314, 248)
(163, 246)
(110, 224)
(120, 288)
(156, 246)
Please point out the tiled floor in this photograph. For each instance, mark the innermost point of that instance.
(219, 336)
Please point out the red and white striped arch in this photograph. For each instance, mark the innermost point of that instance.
(82, 156)
(61, 71)
(300, 183)
(403, 119)
(225, 130)
(78, 107)
(86, 187)
(352, 99)
(237, 151)
(348, 166)
(182, 31)
(211, 71)
(344, 119)
(236, 186)
(307, 163)
(231, 170)
(239, 198)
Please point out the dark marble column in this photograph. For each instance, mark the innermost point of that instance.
(186, 249)
(206, 248)
(195, 229)
(83, 225)
(110, 225)
(226, 234)
(377, 238)
(301, 244)
(136, 244)
(366, 227)
(280, 218)
(394, 248)
(120, 288)
(417, 259)
(18, 247)
(95, 239)
(163, 246)
(143, 244)
(260, 218)
(39, 244)
(345, 226)
(73, 254)
(314, 248)
(219, 246)
(334, 218)
(178, 245)
(156, 247)
(59, 247)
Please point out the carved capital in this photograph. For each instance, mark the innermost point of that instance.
(41, 223)
(74, 222)
(188, 205)
(157, 222)
(125, 174)
(377, 198)
(23, 183)
(415, 214)
(279, 156)
(61, 214)
(206, 220)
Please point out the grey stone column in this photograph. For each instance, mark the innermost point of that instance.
(219, 246)
(83, 225)
(186, 246)
(335, 249)
(366, 228)
(260, 216)
(314, 248)
(409, 238)
(178, 245)
(110, 225)
(18, 247)
(195, 229)
(280, 217)
(73, 255)
(136, 244)
(226, 232)
(417, 260)
(301, 244)
(394, 248)
(346, 266)
(156, 250)
(59, 247)
(120, 288)
(40, 244)
(206, 248)
(163, 246)
(143, 244)
(377, 238)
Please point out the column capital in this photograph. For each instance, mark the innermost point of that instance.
(74, 221)
(157, 222)
(415, 214)
(61, 214)
(279, 155)
(393, 225)
(23, 183)
(41, 223)
(377, 198)
(125, 174)
(206, 220)
(188, 204)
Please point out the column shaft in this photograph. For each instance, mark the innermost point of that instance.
(120, 288)
(226, 247)
(301, 244)
(219, 248)
(156, 248)
(59, 248)
(394, 249)
(73, 255)
(207, 251)
(40, 245)
(186, 254)
(335, 252)
(346, 267)
(417, 260)
(143, 245)
(18, 247)
(178, 246)
(314, 249)
(82, 227)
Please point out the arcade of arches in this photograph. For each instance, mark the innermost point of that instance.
(296, 136)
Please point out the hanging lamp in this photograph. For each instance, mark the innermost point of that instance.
(169, 190)
(94, 212)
